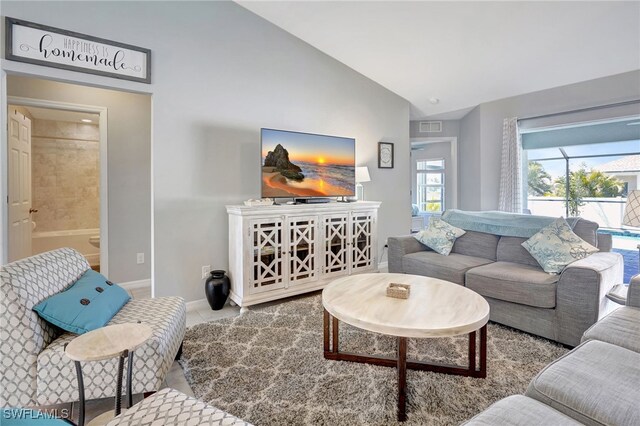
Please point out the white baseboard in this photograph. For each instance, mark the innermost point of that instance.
(195, 305)
(130, 285)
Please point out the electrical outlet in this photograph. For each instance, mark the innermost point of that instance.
(140, 258)
(205, 271)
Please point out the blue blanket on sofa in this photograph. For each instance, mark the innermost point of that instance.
(500, 223)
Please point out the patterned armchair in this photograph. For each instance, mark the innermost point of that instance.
(33, 367)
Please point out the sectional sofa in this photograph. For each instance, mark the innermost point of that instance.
(597, 383)
(521, 295)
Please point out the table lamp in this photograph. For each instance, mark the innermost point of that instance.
(362, 175)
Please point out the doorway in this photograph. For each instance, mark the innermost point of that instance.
(434, 185)
(56, 172)
(126, 214)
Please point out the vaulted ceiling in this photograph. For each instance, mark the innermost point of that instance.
(466, 53)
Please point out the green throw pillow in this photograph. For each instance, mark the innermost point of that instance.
(439, 235)
(556, 245)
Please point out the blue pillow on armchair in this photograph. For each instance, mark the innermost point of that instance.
(88, 304)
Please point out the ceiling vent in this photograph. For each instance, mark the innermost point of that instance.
(430, 126)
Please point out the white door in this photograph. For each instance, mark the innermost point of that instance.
(19, 185)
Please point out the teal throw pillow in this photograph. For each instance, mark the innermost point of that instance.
(556, 245)
(439, 235)
(88, 304)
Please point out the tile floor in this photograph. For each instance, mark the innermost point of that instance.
(205, 314)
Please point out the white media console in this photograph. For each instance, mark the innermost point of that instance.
(283, 250)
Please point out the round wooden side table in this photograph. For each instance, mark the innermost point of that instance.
(119, 340)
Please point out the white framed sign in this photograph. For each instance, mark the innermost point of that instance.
(54, 47)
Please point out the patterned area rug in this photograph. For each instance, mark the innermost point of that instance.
(267, 367)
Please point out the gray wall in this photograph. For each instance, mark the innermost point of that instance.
(481, 129)
(469, 167)
(450, 128)
(128, 163)
(220, 73)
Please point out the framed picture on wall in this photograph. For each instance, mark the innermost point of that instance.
(385, 155)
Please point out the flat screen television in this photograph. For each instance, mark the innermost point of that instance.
(303, 165)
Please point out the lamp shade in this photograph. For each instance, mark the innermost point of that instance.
(631, 210)
(362, 174)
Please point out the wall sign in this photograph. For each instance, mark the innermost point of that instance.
(53, 47)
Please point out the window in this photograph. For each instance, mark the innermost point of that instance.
(590, 180)
(430, 185)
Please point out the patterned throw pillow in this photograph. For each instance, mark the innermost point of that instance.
(556, 245)
(439, 235)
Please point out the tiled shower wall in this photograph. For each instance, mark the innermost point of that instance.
(65, 175)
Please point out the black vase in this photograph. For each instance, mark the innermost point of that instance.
(217, 289)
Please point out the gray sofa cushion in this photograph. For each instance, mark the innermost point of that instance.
(518, 410)
(510, 250)
(539, 321)
(587, 230)
(621, 328)
(514, 282)
(431, 264)
(596, 384)
(476, 244)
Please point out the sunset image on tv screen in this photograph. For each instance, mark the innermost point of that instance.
(306, 165)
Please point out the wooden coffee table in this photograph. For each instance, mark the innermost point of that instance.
(435, 308)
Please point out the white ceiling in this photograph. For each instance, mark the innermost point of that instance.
(62, 115)
(466, 53)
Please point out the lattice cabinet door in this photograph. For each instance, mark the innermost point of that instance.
(335, 244)
(266, 264)
(363, 241)
(302, 249)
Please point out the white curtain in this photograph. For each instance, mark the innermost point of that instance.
(510, 199)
